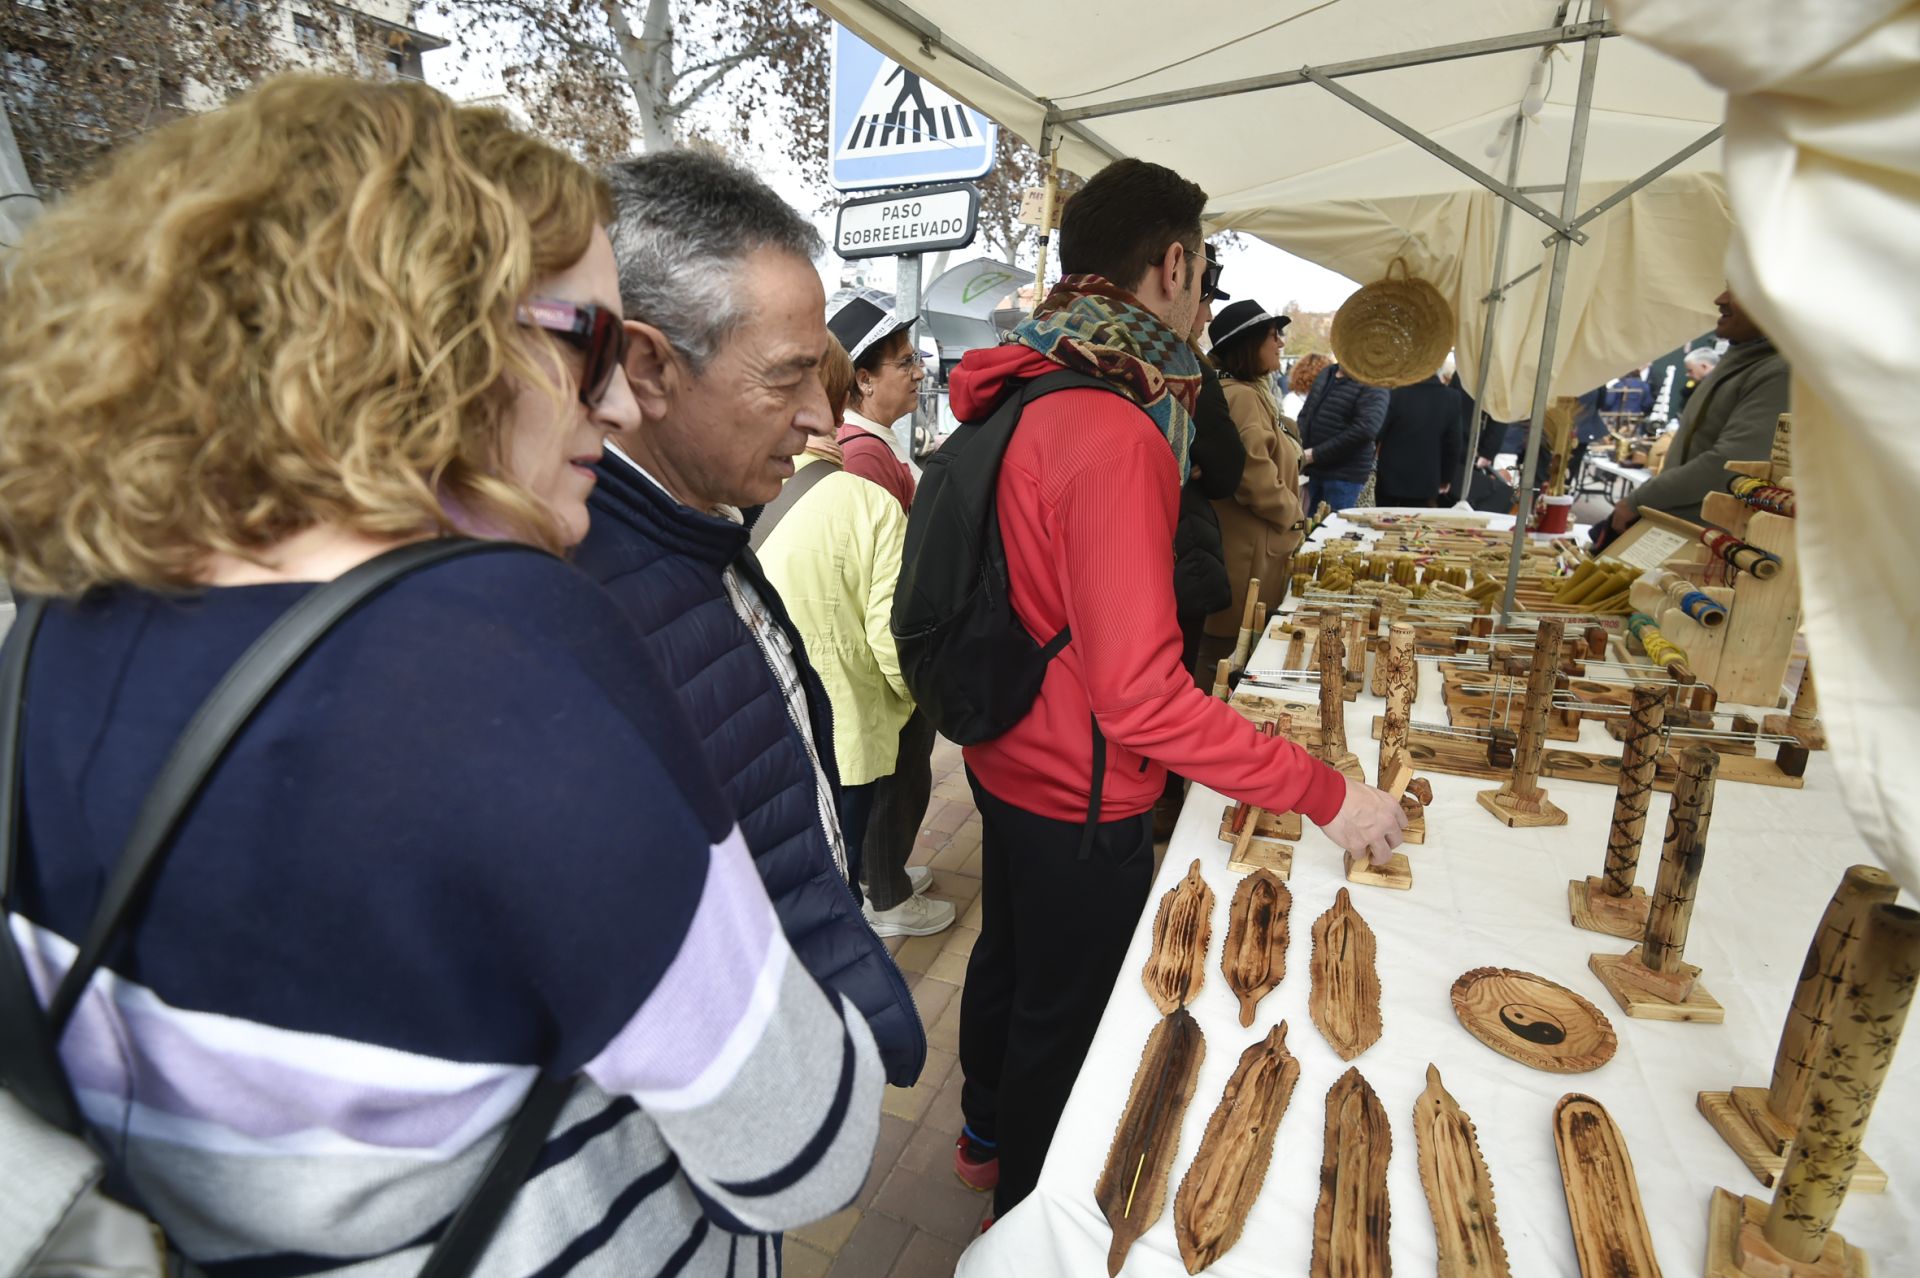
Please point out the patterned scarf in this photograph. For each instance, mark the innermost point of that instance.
(1093, 326)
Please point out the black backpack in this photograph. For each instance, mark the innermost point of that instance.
(973, 668)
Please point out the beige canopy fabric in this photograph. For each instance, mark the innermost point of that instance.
(1823, 170)
(1314, 175)
(1642, 284)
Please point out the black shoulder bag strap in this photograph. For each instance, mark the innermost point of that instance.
(29, 1049)
(790, 494)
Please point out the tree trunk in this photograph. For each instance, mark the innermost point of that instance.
(647, 62)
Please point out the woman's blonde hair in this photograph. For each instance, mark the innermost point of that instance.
(297, 309)
(836, 378)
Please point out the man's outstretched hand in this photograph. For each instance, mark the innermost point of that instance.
(1368, 824)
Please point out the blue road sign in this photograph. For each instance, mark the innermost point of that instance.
(893, 128)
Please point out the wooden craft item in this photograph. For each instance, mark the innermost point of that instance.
(1459, 1188)
(1356, 646)
(1458, 754)
(1527, 1018)
(1132, 1189)
(1181, 929)
(1610, 1235)
(1802, 722)
(1521, 801)
(1210, 1210)
(1296, 658)
(1397, 871)
(1736, 1245)
(1847, 1075)
(1612, 903)
(1397, 664)
(1759, 1123)
(1222, 675)
(1284, 826)
(1243, 642)
(1333, 711)
(1653, 980)
(1345, 997)
(1255, 958)
(1351, 1219)
(1477, 698)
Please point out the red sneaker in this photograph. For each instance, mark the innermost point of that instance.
(976, 1164)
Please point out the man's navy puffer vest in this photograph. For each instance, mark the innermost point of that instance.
(663, 562)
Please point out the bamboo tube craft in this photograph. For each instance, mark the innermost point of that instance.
(1356, 642)
(1611, 903)
(1398, 664)
(1794, 1237)
(1660, 650)
(1522, 801)
(1761, 495)
(1222, 676)
(1759, 1123)
(1333, 709)
(1763, 564)
(1653, 980)
(1243, 644)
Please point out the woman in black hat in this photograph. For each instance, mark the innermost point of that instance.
(1260, 525)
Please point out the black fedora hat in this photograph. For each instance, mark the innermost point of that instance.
(1240, 318)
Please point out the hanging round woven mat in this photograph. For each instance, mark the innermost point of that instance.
(1393, 332)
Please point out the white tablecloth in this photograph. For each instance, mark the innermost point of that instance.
(1485, 895)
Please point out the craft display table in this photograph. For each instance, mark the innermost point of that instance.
(1486, 895)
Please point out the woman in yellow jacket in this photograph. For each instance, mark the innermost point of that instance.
(834, 556)
(1260, 525)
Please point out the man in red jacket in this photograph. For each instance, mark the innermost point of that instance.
(1088, 495)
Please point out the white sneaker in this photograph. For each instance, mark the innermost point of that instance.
(915, 916)
(921, 877)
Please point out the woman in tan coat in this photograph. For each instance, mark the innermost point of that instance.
(1261, 524)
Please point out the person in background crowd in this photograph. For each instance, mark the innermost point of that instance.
(727, 337)
(833, 555)
(496, 852)
(1087, 499)
(886, 385)
(1731, 417)
(1339, 423)
(1200, 583)
(1299, 385)
(1260, 523)
(1420, 445)
(1627, 393)
(1699, 365)
(887, 373)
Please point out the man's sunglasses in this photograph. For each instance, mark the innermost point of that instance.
(594, 331)
(1210, 278)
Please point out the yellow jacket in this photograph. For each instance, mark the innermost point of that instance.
(835, 558)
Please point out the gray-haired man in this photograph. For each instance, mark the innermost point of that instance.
(726, 327)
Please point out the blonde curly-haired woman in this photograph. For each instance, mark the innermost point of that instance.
(468, 842)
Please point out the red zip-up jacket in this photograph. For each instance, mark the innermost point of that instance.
(1088, 496)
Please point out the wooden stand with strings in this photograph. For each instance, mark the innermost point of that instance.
(1521, 801)
(1802, 722)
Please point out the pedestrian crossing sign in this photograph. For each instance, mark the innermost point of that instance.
(891, 127)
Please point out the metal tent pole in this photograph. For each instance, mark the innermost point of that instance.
(1550, 331)
(1493, 306)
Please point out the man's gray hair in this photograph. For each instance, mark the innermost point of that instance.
(1704, 355)
(683, 222)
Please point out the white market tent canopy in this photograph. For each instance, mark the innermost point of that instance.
(1217, 90)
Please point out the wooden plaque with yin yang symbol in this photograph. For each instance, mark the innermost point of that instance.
(1533, 1020)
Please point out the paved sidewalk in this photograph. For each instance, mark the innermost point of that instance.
(913, 1217)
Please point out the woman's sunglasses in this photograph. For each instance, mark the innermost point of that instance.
(594, 331)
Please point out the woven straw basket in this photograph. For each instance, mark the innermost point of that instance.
(1393, 332)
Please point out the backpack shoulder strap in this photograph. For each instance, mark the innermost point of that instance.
(790, 494)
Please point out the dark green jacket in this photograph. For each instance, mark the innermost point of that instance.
(1731, 417)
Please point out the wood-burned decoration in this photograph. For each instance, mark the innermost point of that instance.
(1610, 1235)
(1132, 1189)
(1345, 1000)
(1350, 1220)
(1178, 963)
(1255, 959)
(1459, 1190)
(1533, 1020)
(1219, 1188)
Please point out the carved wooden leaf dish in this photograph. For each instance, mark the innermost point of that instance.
(1219, 1188)
(1350, 1221)
(1132, 1189)
(1345, 999)
(1255, 959)
(1178, 963)
(1533, 1020)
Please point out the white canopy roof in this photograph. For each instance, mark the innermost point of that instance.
(1302, 169)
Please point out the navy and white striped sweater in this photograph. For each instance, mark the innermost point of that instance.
(468, 840)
